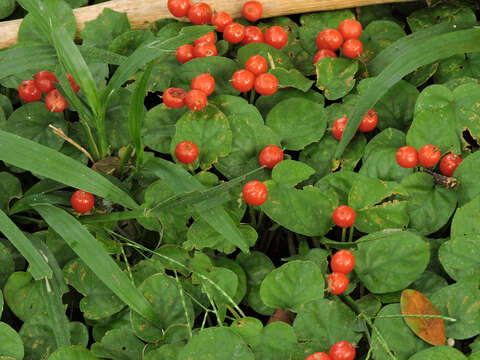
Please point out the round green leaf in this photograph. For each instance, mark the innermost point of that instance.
(280, 58)
(422, 74)
(379, 35)
(116, 118)
(290, 172)
(467, 173)
(460, 256)
(7, 266)
(164, 352)
(106, 27)
(457, 67)
(384, 266)
(439, 353)
(428, 283)
(336, 76)
(72, 353)
(466, 219)
(277, 341)
(467, 111)
(340, 182)
(292, 78)
(238, 270)
(126, 43)
(11, 346)
(121, 344)
(424, 18)
(249, 328)
(6, 8)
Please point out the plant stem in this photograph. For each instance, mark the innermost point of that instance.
(291, 244)
(101, 133)
(125, 156)
(184, 304)
(344, 234)
(252, 96)
(350, 234)
(92, 145)
(415, 316)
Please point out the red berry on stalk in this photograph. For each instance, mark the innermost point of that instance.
(429, 155)
(449, 163)
(329, 39)
(28, 92)
(196, 100)
(184, 53)
(178, 8)
(234, 33)
(253, 34)
(407, 157)
(243, 80)
(338, 127)
(75, 87)
(266, 84)
(200, 13)
(255, 193)
(276, 36)
(352, 48)
(204, 50)
(344, 216)
(82, 201)
(252, 10)
(318, 356)
(55, 102)
(204, 82)
(270, 156)
(343, 261)
(369, 121)
(45, 81)
(186, 152)
(337, 283)
(174, 97)
(221, 19)
(207, 38)
(256, 64)
(323, 53)
(350, 29)
(342, 350)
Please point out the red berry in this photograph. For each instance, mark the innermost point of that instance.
(352, 48)
(429, 155)
(196, 100)
(337, 283)
(344, 216)
(73, 84)
(276, 36)
(184, 53)
(369, 121)
(253, 34)
(178, 8)
(234, 33)
(221, 19)
(266, 84)
(350, 29)
(329, 39)
(252, 10)
(338, 127)
(318, 356)
(256, 64)
(204, 50)
(204, 82)
(55, 102)
(186, 152)
(45, 81)
(200, 13)
(407, 157)
(255, 193)
(449, 163)
(343, 262)
(28, 92)
(82, 201)
(270, 156)
(243, 80)
(174, 98)
(342, 350)
(323, 53)
(207, 38)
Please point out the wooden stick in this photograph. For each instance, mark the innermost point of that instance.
(141, 13)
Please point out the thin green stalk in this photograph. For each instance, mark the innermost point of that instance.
(344, 234)
(123, 160)
(446, 318)
(350, 234)
(92, 145)
(232, 310)
(381, 340)
(101, 132)
(129, 270)
(184, 304)
(252, 96)
(215, 310)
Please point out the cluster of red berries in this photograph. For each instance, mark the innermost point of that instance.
(255, 76)
(342, 350)
(44, 82)
(341, 264)
(201, 86)
(346, 37)
(369, 122)
(82, 201)
(428, 156)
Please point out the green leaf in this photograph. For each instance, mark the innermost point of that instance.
(279, 58)
(231, 265)
(117, 118)
(439, 353)
(290, 172)
(11, 346)
(465, 220)
(277, 341)
(457, 67)
(336, 76)
(340, 182)
(460, 256)
(7, 266)
(126, 43)
(10, 188)
(6, 8)
(384, 266)
(292, 78)
(424, 18)
(121, 344)
(72, 353)
(379, 35)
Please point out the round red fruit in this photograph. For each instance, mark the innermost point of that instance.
(266, 84)
(204, 50)
(323, 53)
(343, 262)
(207, 38)
(352, 48)
(407, 157)
(350, 29)
(337, 284)
(276, 36)
(429, 155)
(73, 84)
(55, 102)
(221, 19)
(174, 97)
(342, 350)
(186, 152)
(255, 193)
(178, 8)
(270, 156)
(344, 216)
(253, 34)
(329, 39)
(45, 81)
(318, 356)
(184, 53)
(252, 10)
(256, 64)
(243, 80)
(369, 121)
(449, 163)
(28, 92)
(204, 82)
(234, 33)
(338, 127)
(196, 100)
(200, 13)
(82, 201)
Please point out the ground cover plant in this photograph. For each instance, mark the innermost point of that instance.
(300, 187)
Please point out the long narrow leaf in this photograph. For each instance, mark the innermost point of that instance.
(97, 259)
(423, 53)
